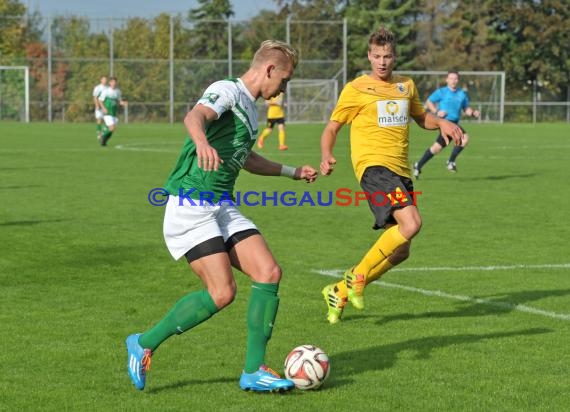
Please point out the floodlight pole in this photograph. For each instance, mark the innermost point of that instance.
(171, 69)
(344, 51)
(27, 94)
(288, 40)
(230, 54)
(111, 47)
(49, 71)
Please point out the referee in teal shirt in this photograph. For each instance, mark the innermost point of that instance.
(447, 102)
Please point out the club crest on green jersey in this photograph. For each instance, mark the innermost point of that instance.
(212, 97)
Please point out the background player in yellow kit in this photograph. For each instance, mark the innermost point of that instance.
(379, 105)
(275, 116)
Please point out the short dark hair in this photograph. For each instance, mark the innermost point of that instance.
(382, 37)
(453, 72)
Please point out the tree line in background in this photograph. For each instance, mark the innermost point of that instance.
(528, 39)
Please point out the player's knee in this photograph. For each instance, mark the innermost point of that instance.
(271, 274)
(224, 296)
(410, 227)
(465, 140)
(435, 149)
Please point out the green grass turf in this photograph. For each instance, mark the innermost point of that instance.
(83, 264)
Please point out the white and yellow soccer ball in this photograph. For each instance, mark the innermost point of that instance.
(307, 366)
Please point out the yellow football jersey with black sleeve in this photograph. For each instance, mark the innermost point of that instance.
(275, 110)
(379, 113)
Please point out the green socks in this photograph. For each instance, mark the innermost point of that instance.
(188, 312)
(261, 314)
(197, 307)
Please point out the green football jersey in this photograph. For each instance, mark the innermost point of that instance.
(111, 99)
(232, 135)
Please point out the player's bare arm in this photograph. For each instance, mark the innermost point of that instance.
(449, 130)
(195, 122)
(328, 140)
(433, 109)
(259, 165)
(102, 106)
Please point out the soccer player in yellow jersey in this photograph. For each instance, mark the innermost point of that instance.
(275, 116)
(379, 106)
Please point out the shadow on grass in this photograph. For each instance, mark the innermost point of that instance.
(493, 305)
(29, 168)
(192, 382)
(30, 222)
(380, 357)
(478, 178)
(19, 187)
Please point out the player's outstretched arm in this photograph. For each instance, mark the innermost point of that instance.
(328, 140)
(195, 122)
(259, 165)
(434, 109)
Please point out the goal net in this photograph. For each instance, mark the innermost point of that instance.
(486, 89)
(14, 93)
(310, 100)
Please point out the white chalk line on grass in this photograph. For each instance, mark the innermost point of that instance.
(334, 272)
(144, 149)
(426, 292)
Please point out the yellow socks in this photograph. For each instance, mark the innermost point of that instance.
(378, 270)
(266, 132)
(375, 262)
(341, 289)
(281, 137)
(385, 246)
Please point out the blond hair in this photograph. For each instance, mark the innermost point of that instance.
(277, 51)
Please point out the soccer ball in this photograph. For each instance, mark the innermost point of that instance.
(307, 366)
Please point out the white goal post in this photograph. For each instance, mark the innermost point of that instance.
(15, 93)
(310, 100)
(486, 89)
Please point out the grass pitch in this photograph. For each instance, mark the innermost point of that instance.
(477, 319)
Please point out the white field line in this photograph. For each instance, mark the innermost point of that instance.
(144, 149)
(426, 292)
(338, 272)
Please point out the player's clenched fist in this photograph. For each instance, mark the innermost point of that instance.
(307, 173)
(327, 165)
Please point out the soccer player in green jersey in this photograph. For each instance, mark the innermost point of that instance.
(97, 90)
(204, 226)
(110, 98)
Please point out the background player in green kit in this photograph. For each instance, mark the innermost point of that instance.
(111, 98)
(97, 90)
(214, 235)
